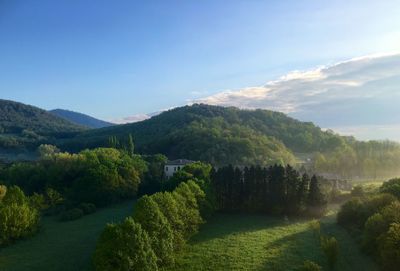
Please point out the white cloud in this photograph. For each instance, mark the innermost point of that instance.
(130, 119)
(297, 89)
(359, 91)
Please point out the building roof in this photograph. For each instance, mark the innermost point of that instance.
(179, 162)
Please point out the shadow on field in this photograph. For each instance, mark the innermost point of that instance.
(223, 224)
(289, 252)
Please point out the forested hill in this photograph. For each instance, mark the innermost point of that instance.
(219, 135)
(80, 119)
(22, 126)
(223, 135)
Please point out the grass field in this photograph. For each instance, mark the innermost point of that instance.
(226, 242)
(64, 246)
(255, 242)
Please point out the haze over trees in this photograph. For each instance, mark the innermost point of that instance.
(228, 135)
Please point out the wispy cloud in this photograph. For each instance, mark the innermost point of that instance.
(358, 91)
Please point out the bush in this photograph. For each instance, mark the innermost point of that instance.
(87, 208)
(72, 214)
(390, 248)
(3, 191)
(315, 226)
(355, 212)
(124, 246)
(330, 247)
(18, 219)
(357, 191)
(392, 187)
(310, 266)
(378, 224)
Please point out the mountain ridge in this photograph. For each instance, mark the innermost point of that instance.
(80, 118)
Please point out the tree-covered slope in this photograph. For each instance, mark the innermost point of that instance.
(23, 125)
(218, 134)
(223, 135)
(80, 119)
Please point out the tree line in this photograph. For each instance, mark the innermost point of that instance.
(375, 221)
(275, 190)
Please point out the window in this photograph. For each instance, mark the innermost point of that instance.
(174, 168)
(166, 168)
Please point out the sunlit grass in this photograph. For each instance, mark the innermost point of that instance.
(256, 242)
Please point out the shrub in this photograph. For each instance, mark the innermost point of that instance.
(310, 266)
(357, 191)
(315, 226)
(72, 214)
(355, 212)
(378, 224)
(125, 246)
(87, 208)
(330, 247)
(3, 190)
(148, 214)
(18, 219)
(390, 248)
(392, 187)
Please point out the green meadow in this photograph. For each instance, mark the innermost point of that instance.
(225, 242)
(256, 242)
(63, 246)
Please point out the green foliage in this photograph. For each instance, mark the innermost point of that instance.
(170, 209)
(276, 190)
(149, 216)
(3, 191)
(390, 248)
(316, 203)
(154, 176)
(46, 150)
(357, 191)
(72, 214)
(310, 266)
(391, 187)
(330, 248)
(315, 226)
(377, 225)
(124, 247)
(24, 126)
(100, 176)
(87, 208)
(354, 213)
(18, 219)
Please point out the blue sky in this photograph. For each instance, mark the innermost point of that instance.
(113, 59)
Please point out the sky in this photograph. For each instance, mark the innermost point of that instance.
(335, 63)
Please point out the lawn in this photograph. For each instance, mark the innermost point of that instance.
(256, 242)
(226, 242)
(64, 246)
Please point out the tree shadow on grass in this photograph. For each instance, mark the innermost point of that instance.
(289, 252)
(223, 224)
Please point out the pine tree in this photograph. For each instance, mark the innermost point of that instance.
(316, 203)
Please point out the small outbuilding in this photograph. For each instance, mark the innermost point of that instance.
(175, 165)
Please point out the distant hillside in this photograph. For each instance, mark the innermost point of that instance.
(80, 119)
(25, 126)
(216, 134)
(223, 135)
